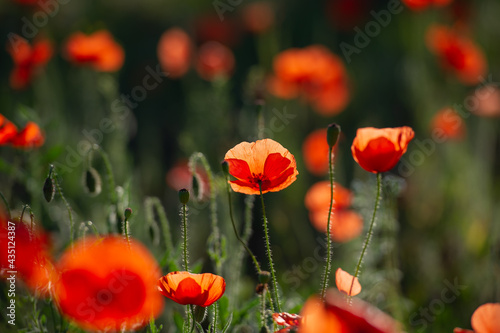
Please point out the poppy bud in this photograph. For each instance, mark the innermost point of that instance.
(199, 313)
(196, 187)
(332, 134)
(49, 189)
(264, 276)
(184, 196)
(92, 182)
(128, 213)
(225, 168)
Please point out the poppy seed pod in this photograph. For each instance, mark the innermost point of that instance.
(184, 196)
(92, 182)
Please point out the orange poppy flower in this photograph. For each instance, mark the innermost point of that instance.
(263, 162)
(258, 17)
(488, 102)
(174, 52)
(449, 124)
(423, 4)
(315, 150)
(345, 224)
(214, 60)
(28, 60)
(344, 280)
(484, 319)
(196, 289)
(379, 150)
(30, 136)
(336, 315)
(98, 50)
(457, 54)
(314, 73)
(32, 260)
(107, 284)
(7, 130)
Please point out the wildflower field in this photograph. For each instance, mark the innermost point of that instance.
(250, 166)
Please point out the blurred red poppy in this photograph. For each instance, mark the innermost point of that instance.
(336, 315)
(258, 17)
(210, 27)
(214, 60)
(107, 284)
(379, 149)
(449, 124)
(30, 136)
(7, 130)
(345, 224)
(488, 102)
(423, 4)
(175, 52)
(314, 73)
(347, 14)
(28, 60)
(264, 163)
(315, 151)
(484, 319)
(98, 50)
(179, 177)
(196, 289)
(31, 258)
(457, 54)
(346, 283)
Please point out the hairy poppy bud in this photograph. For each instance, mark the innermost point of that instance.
(260, 288)
(332, 134)
(49, 189)
(184, 196)
(199, 313)
(128, 213)
(92, 182)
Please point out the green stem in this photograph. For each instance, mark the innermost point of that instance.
(126, 232)
(256, 263)
(328, 265)
(184, 237)
(370, 230)
(152, 204)
(269, 253)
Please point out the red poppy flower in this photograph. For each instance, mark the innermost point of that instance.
(347, 14)
(314, 73)
(315, 150)
(210, 27)
(457, 54)
(179, 177)
(345, 224)
(175, 52)
(32, 260)
(484, 319)
(107, 284)
(336, 315)
(423, 4)
(30, 136)
(318, 197)
(98, 50)
(447, 123)
(214, 60)
(344, 281)
(7, 130)
(28, 60)
(289, 320)
(188, 288)
(258, 16)
(379, 150)
(263, 162)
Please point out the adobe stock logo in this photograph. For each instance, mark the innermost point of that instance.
(371, 30)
